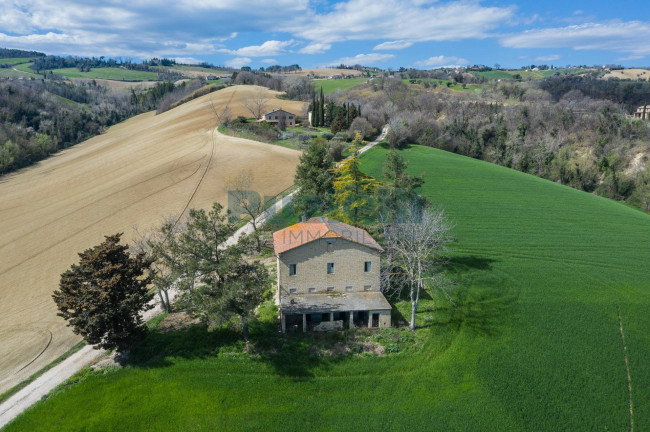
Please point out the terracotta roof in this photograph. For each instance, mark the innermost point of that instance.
(278, 109)
(318, 228)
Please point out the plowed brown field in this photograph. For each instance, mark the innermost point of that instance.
(138, 172)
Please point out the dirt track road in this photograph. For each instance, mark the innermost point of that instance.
(138, 172)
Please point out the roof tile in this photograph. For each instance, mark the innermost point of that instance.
(317, 228)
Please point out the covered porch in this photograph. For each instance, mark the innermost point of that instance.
(323, 312)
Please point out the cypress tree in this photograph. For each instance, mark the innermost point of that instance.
(314, 110)
(322, 107)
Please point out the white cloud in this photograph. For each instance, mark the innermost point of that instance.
(548, 58)
(441, 61)
(187, 60)
(628, 37)
(143, 29)
(190, 28)
(315, 48)
(238, 62)
(268, 48)
(269, 61)
(630, 58)
(411, 20)
(362, 59)
(230, 36)
(394, 45)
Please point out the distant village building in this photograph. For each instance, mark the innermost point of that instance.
(335, 77)
(642, 112)
(278, 116)
(329, 277)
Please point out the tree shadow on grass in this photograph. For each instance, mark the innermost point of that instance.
(291, 355)
(481, 310)
(463, 264)
(294, 355)
(192, 342)
(480, 301)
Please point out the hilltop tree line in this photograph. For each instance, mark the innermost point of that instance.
(84, 64)
(566, 129)
(16, 53)
(40, 117)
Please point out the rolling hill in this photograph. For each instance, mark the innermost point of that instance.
(137, 173)
(548, 279)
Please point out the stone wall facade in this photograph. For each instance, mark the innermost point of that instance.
(311, 264)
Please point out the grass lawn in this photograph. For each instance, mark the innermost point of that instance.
(12, 73)
(532, 343)
(508, 74)
(24, 67)
(109, 73)
(15, 60)
(343, 84)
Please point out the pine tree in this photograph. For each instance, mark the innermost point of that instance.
(352, 188)
(402, 186)
(339, 123)
(314, 177)
(215, 283)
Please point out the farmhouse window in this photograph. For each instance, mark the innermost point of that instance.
(311, 290)
(367, 287)
(367, 266)
(293, 290)
(330, 268)
(330, 289)
(292, 269)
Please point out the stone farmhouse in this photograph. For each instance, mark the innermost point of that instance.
(328, 277)
(642, 112)
(278, 116)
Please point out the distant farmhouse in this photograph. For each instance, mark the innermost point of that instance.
(328, 277)
(278, 116)
(642, 112)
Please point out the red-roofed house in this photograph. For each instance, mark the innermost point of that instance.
(328, 277)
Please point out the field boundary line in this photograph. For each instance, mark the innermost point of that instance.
(627, 371)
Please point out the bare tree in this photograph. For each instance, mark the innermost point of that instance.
(415, 243)
(256, 103)
(248, 202)
(222, 115)
(155, 244)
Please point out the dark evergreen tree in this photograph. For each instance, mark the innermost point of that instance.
(321, 120)
(314, 177)
(103, 295)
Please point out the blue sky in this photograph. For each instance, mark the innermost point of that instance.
(384, 33)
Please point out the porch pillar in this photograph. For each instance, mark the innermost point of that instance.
(351, 319)
(331, 316)
(304, 323)
(284, 323)
(369, 319)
